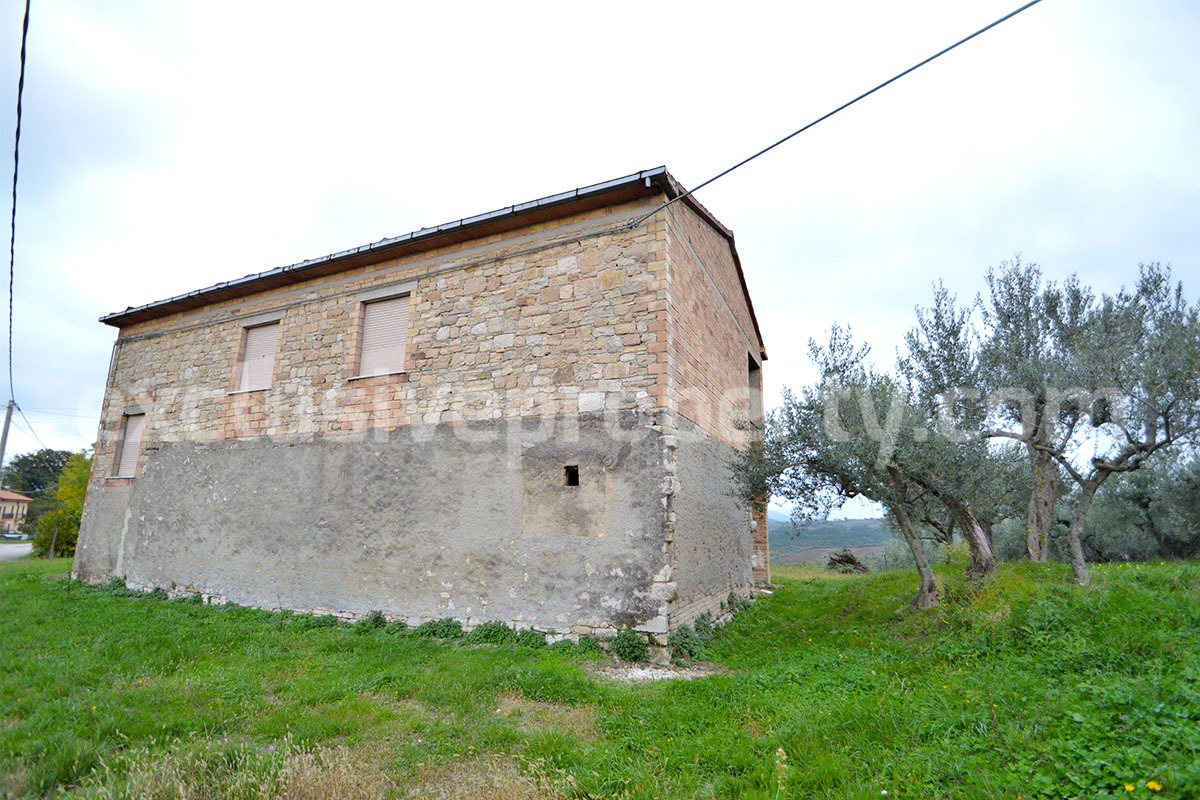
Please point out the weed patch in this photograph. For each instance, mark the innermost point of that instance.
(686, 643)
(630, 646)
(492, 633)
(704, 628)
(371, 622)
(589, 646)
(531, 639)
(445, 628)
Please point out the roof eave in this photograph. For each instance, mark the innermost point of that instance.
(629, 187)
(511, 217)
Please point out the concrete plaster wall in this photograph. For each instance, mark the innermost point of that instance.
(427, 521)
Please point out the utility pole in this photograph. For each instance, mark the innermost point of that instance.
(4, 438)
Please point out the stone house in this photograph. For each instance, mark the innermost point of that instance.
(525, 416)
(13, 508)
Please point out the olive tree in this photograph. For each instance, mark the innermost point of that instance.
(1075, 385)
(1139, 354)
(861, 432)
(1027, 370)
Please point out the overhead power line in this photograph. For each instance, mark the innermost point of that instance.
(52, 413)
(12, 239)
(30, 426)
(12, 252)
(840, 108)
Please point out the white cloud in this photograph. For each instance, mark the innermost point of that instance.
(171, 146)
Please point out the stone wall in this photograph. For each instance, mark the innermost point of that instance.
(711, 344)
(571, 320)
(712, 337)
(440, 491)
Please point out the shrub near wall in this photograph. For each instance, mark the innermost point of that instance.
(629, 646)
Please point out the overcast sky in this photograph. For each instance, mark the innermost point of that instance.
(169, 146)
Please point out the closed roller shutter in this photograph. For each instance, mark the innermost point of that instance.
(384, 336)
(258, 364)
(131, 445)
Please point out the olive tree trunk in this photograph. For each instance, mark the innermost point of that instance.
(1087, 493)
(927, 594)
(1042, 501)
(983, 558)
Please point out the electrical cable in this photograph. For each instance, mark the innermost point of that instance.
(840, 108)
(30, 425)
(12, 240)
(44, 412)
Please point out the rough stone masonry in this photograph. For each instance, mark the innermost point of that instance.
(551, 449)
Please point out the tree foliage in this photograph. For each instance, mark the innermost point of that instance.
(34, 474)
(1139, 355)
(73, 480)
(1047, 359)
(990, 405)
(58, 529)
(1025, 366)
(862, 432)
(1153, 512)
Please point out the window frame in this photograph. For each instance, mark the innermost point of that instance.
(367, 299)
(754, 391)
(123, 442)
(240, 376)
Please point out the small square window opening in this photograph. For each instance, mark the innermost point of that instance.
(571, 475)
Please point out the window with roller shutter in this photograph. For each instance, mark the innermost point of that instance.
(384, 336)
(131, 445)
(258, 360)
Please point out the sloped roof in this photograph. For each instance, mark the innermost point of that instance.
(619, 190)
(7, 496)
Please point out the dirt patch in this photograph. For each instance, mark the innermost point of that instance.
(533, 715)
(489, 778)
(641, 673)
(211, 769)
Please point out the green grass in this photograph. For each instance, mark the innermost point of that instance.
(1022, 686)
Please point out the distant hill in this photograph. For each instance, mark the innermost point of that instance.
(787, 543)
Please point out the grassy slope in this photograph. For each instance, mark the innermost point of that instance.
(1026, 686)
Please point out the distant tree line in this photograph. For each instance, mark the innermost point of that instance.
(1002, 422)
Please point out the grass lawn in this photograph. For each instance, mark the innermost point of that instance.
(1024, 686)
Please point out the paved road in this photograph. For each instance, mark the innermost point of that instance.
(11, 552)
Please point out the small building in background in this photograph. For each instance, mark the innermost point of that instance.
(526, 416)
(13, 508)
